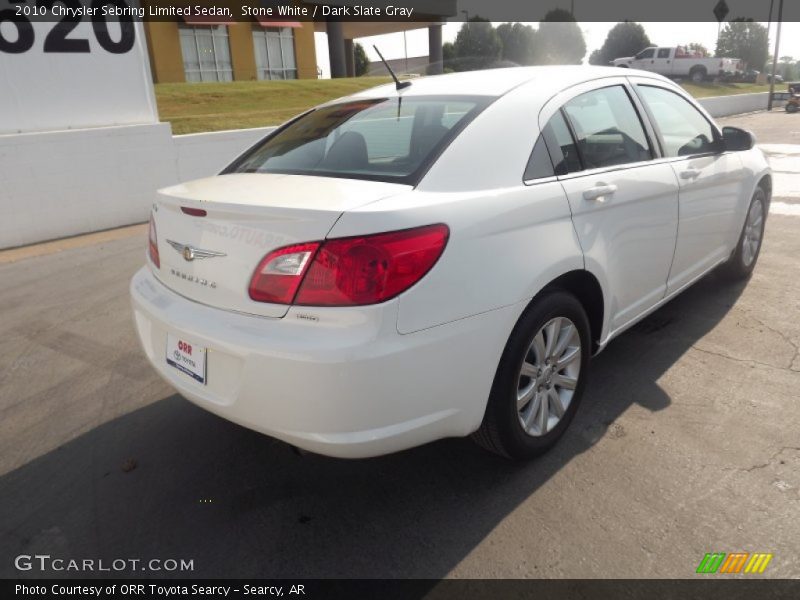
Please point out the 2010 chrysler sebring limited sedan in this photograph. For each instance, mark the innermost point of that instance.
(405, 265)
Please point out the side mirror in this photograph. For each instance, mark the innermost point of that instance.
(736, 140)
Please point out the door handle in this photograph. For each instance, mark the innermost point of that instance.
(599, 192)
(690, 174)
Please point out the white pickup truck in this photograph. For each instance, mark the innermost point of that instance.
(678, 62)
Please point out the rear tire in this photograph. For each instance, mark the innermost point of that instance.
(698, 74)
(540, 379)
(791, 108)
(743, 260)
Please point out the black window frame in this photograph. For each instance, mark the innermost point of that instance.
(718, 142)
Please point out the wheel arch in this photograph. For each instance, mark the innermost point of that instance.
(765, 182)
(586, 288)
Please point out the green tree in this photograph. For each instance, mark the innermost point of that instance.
(517, 42)
(362, 62)
(788, 68)
(624, 39)
(559, 40)
(448, 51)
(477, 45)
(595, 58)
(745, 39)
(448, 57)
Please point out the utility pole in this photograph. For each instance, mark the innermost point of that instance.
(405, 49)
(775, 56)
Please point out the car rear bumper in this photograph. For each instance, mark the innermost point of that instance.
(336, 381)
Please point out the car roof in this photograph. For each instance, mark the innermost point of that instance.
(497, 82)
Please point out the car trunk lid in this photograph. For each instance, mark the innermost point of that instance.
(210, 256)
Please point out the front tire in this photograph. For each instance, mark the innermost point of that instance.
(791, 108)
(743, 260)
(540, 379)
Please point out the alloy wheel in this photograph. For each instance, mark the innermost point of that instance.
(548, 376)
(751, 240)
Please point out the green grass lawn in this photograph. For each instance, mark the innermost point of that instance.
(705, 90)
(196, 107)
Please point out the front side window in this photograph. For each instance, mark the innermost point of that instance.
(274, 49)
(206, 53)
(684, 130)
(607, 128)
(647, 53)
(383, 139)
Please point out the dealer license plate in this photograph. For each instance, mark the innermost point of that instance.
(187, 357)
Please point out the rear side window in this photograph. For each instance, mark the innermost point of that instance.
(607, 128)
(384, 139)
(684, 130)
(560, 145)
(539, 165)
(663, 53)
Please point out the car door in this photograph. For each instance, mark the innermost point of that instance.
(644, 60)
(662, 63)
(624, 205)
(711, 181)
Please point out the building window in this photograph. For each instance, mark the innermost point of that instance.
(206, 53)
(274, 47)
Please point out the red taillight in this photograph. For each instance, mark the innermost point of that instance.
(280, 272)
(193, 212)
(351, 271)
(152, 243)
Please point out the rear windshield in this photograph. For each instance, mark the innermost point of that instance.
(383, 139)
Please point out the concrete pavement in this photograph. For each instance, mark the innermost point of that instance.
(778, 135)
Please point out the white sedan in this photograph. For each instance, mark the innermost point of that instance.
(443, 259)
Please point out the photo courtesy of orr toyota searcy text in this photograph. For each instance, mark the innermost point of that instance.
(138, 590)
(399, 299)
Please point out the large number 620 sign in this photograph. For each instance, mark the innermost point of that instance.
(58, 39)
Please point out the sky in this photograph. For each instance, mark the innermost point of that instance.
(662, 34)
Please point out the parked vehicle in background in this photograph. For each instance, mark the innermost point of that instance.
(678, 62)
(751, 76)
(442, 259)
(790, 99)
(793, 101)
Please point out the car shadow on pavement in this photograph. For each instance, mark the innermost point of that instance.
(172, 481)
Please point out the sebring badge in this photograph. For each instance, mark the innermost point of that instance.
(189, 253)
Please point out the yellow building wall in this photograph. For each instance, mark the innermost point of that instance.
(305, 51)
(166, 60)
(243, 56)
(164, 48)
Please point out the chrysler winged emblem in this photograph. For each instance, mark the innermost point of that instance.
(190, 253)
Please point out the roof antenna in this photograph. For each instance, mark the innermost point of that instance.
(399, 85)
